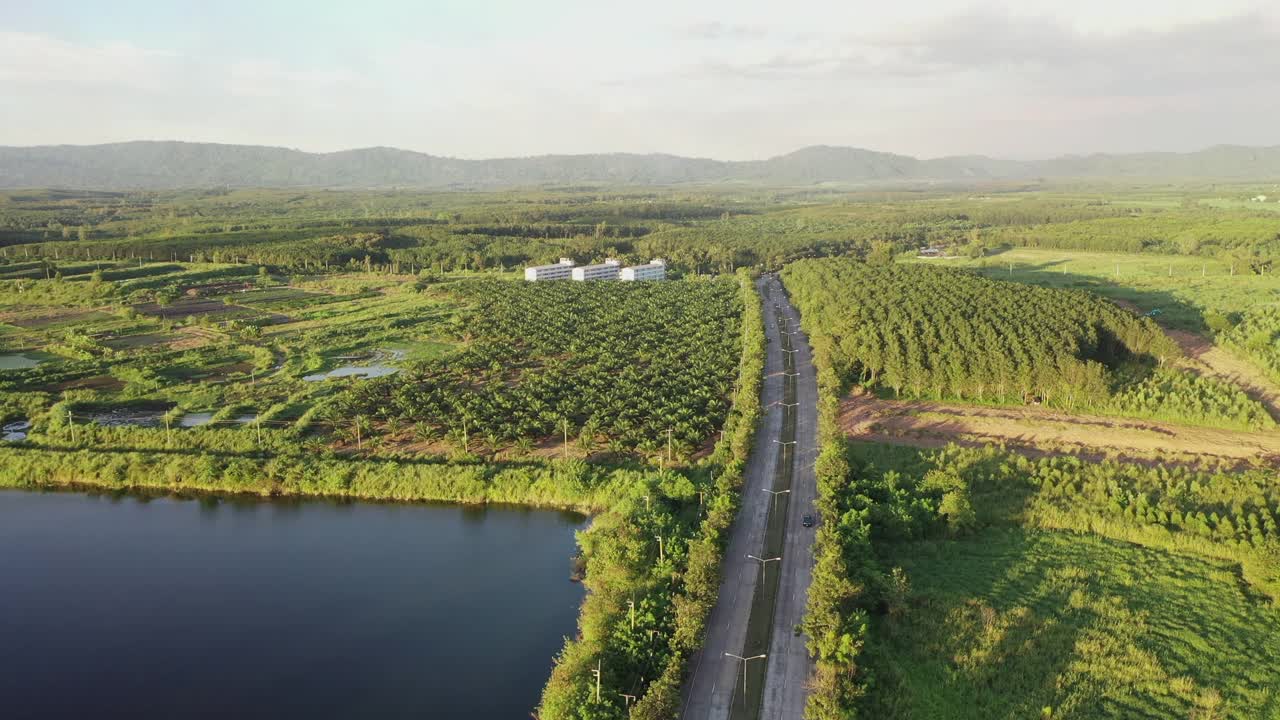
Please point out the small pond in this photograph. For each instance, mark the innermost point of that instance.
(372, 366)
(120, 417)
(17, 361)
(195, 419)
(15, 431)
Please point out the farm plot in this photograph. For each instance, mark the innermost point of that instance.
(625, 367)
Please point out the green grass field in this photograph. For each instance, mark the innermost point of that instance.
(1028, 624)
(1181, 287)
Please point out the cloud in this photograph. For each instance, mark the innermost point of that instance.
(910, 79)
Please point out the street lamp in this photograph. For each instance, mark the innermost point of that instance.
(775, 494)
(764, 565)
(745, 660)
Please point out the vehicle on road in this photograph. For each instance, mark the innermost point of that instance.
(807, 521)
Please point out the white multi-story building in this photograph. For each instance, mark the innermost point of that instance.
(562, 270)
(608, 270)
(655, 270)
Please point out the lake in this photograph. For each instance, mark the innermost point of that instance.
(158, 608)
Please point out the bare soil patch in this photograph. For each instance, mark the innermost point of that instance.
(47, 317)
(1037, 431)
(190, 338)
(1204, 357)
(98, 382)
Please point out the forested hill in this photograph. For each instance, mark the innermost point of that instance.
(181, 165)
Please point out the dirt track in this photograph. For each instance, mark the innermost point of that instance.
(1208, 359)
(1039, 431)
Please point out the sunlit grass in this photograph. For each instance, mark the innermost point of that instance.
(1181, 287)
(1025, 624)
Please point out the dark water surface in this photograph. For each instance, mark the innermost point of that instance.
(166, 608)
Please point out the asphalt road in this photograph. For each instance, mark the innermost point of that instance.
(789, 665)
(709, 690)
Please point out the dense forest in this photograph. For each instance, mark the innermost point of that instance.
(698, 229)
(185, 165)
(939, 333)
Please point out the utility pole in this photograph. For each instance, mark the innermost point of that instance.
(72, 422)
(257, 423)
(669, 431)
(168, 431)
(631, 610)
(661, 556)
(628, 699)
(359, 440)
(744, 661)
(566, 438)
(596, 672)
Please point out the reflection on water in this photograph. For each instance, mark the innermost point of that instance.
(375, 365)
(17, 361)
(206, 609)
(364, 371)
(15, 431)
(140, 417)
(197, 419)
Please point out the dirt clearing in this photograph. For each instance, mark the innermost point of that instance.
(1040, 431)
(1208, 359)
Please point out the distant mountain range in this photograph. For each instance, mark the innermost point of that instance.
(160, 165)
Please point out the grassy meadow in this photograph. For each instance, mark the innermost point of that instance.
(1181, 287)
(1013, 623)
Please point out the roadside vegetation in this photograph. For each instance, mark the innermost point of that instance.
(1047, 538)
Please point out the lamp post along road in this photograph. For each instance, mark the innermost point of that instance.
(744, 661)
(785, 444)
(764, 566)
(775, 494)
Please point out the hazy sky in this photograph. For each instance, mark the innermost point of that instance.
(733, 79)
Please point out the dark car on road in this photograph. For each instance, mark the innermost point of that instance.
(807, 521)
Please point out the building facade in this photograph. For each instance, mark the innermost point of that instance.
(655, 270)
(562, 270)
(608, 270)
